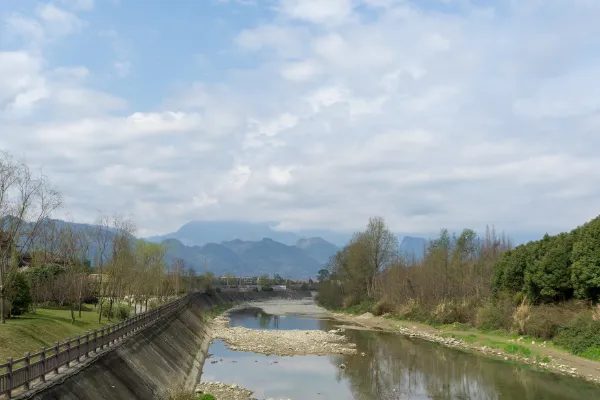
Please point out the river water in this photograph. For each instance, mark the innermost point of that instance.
(393, 367)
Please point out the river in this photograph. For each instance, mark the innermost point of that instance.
(387, 366)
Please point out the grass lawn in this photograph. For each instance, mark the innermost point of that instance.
(30, 332)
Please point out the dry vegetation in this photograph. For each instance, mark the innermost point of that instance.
(477, 281)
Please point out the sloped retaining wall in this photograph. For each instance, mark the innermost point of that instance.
(167, 354)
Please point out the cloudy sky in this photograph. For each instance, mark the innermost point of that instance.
(313, 113)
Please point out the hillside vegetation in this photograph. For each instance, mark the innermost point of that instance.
(547, 288)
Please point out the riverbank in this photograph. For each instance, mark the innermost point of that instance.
(538, 354)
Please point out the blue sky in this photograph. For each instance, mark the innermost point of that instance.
(317, 114)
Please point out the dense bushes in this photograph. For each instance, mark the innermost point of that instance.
(581, 336)
(496, 314)
(330, 294)
(119, 311)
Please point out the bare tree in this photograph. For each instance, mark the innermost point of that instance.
(25, 202)
(101, 235)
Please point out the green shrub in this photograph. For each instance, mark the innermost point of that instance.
(207, 396)
(107, 312)
(383, 307)
(496, 315)
(580, 336)
(123, 311)
(19, 294)
(119, 310)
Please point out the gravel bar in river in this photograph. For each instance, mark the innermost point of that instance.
(282, 342)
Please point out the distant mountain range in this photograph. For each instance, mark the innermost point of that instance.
(199, 233)
(251, 258)
(249, 249)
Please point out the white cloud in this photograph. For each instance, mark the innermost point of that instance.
(430, 119)
(300, 71)
(83, 5)
(59, 21)
(317, 11)
(280, 175)
(122, 68)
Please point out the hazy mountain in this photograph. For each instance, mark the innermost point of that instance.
(248, 258)
(413, 246)
(318, 248)
(199, 233)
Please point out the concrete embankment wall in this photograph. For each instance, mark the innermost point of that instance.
(167, 354)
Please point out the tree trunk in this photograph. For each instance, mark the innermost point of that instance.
(72, 313)
(80, 308)
(110, 304)
(2, 305)
(100, 311)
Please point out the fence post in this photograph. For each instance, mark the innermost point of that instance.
(78, 347)
(68, 352)
(102, 336)
(27, 370)
(95, 340)
(87, 344)
(43, 376)
(9, 377)
(56, 350)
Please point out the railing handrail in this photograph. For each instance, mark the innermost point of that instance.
(73, 349)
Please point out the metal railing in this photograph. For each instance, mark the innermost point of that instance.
(25, 371)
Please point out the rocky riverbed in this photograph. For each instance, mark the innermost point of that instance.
(224, 391)
(280, 342)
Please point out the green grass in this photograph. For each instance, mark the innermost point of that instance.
(218, 310)
(592, 353)
(457, 326)
(472, 338)
(364, 306)
(30, 332)
(508, 348)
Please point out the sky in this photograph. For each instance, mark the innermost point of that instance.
(311, 113)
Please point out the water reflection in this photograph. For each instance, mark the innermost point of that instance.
(397, 367)
(393, 367)
(256, 318)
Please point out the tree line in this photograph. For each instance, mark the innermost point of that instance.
(453, 275)
(548, 288)
(48, 262)
(555, 268)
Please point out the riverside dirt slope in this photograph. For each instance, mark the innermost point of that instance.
(561, 361)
